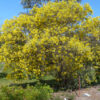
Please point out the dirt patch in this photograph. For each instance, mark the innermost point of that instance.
(93, 91)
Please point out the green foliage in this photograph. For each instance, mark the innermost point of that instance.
(3, 75)
(5, 82)
(86, 78)
(29, 93)
(28, 3)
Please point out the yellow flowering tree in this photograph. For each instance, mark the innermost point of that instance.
(54, 39)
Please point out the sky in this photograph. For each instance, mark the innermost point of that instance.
(10, 8)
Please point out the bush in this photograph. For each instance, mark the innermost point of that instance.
(3, 75)
(29, 93)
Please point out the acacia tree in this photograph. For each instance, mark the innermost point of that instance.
(55, 39)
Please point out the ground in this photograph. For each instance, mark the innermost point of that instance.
(93, 91)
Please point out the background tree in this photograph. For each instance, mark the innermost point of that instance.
(30, 3)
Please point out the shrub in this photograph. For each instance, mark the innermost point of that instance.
(3, 75)
(29, 93)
